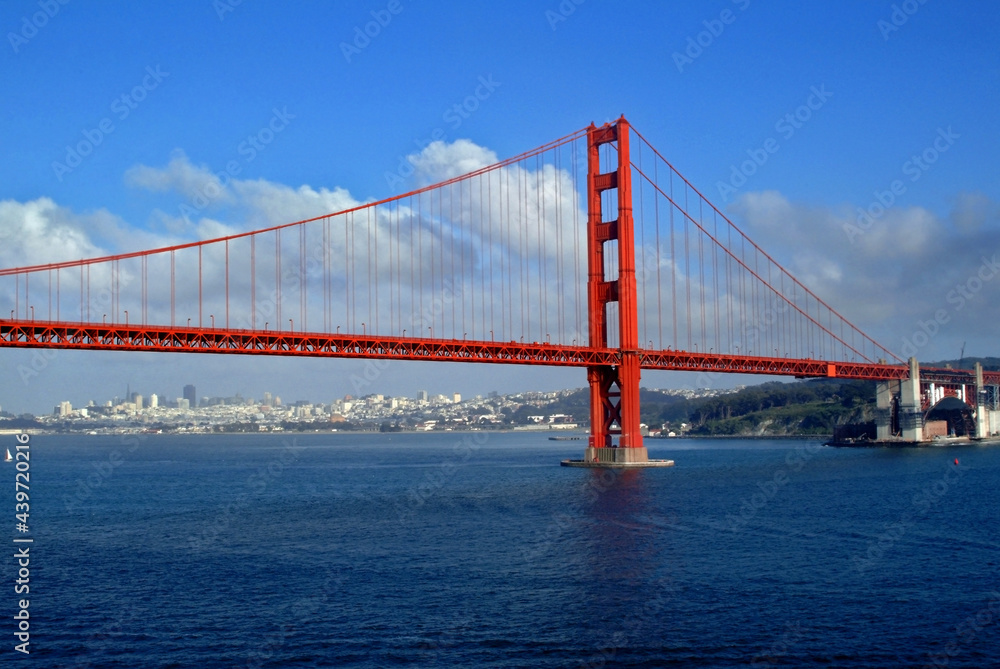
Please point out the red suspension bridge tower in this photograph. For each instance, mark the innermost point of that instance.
(614, 388)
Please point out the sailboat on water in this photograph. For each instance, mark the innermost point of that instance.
(8, 458)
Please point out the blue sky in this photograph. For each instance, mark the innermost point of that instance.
(222, 69)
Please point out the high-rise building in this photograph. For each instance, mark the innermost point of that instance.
(191, 396)
(421, 395)
(457, 398)
(267, 399)
(137, 398)
(154, 401)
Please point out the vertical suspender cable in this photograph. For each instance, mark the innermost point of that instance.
(253, 281)
(659, 257)
(277, 275)
(173, 293)
(641, 269)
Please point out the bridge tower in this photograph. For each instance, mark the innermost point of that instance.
(614, 389)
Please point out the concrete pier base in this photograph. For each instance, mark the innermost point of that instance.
(884, 392)
(911, 416)
(982, 420)
(617, 458)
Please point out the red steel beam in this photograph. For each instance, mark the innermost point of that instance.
(166, 339)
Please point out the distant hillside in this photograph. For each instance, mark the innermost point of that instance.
(989, 364)
(812, 407)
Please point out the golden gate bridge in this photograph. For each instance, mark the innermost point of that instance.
(591, 251)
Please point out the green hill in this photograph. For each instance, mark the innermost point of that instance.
(813, 407)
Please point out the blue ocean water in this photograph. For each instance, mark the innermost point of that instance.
(478, 550)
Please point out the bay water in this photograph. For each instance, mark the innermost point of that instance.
(478, 550)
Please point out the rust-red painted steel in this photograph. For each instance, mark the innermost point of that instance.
(120, 337)
(614, 388)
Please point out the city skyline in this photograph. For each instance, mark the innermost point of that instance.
(166, 400)
(152, 400)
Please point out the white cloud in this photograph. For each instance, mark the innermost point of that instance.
(439, 161)
(180, 176)
(973, 210)
(40, 231)
(891, 274)
(267, 203)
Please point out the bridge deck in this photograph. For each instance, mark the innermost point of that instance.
(167, 339)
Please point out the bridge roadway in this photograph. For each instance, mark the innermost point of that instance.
(181, 339)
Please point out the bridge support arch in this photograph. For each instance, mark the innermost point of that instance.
(904, 407)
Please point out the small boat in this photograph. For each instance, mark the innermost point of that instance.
(564, 438)
(8, 457)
